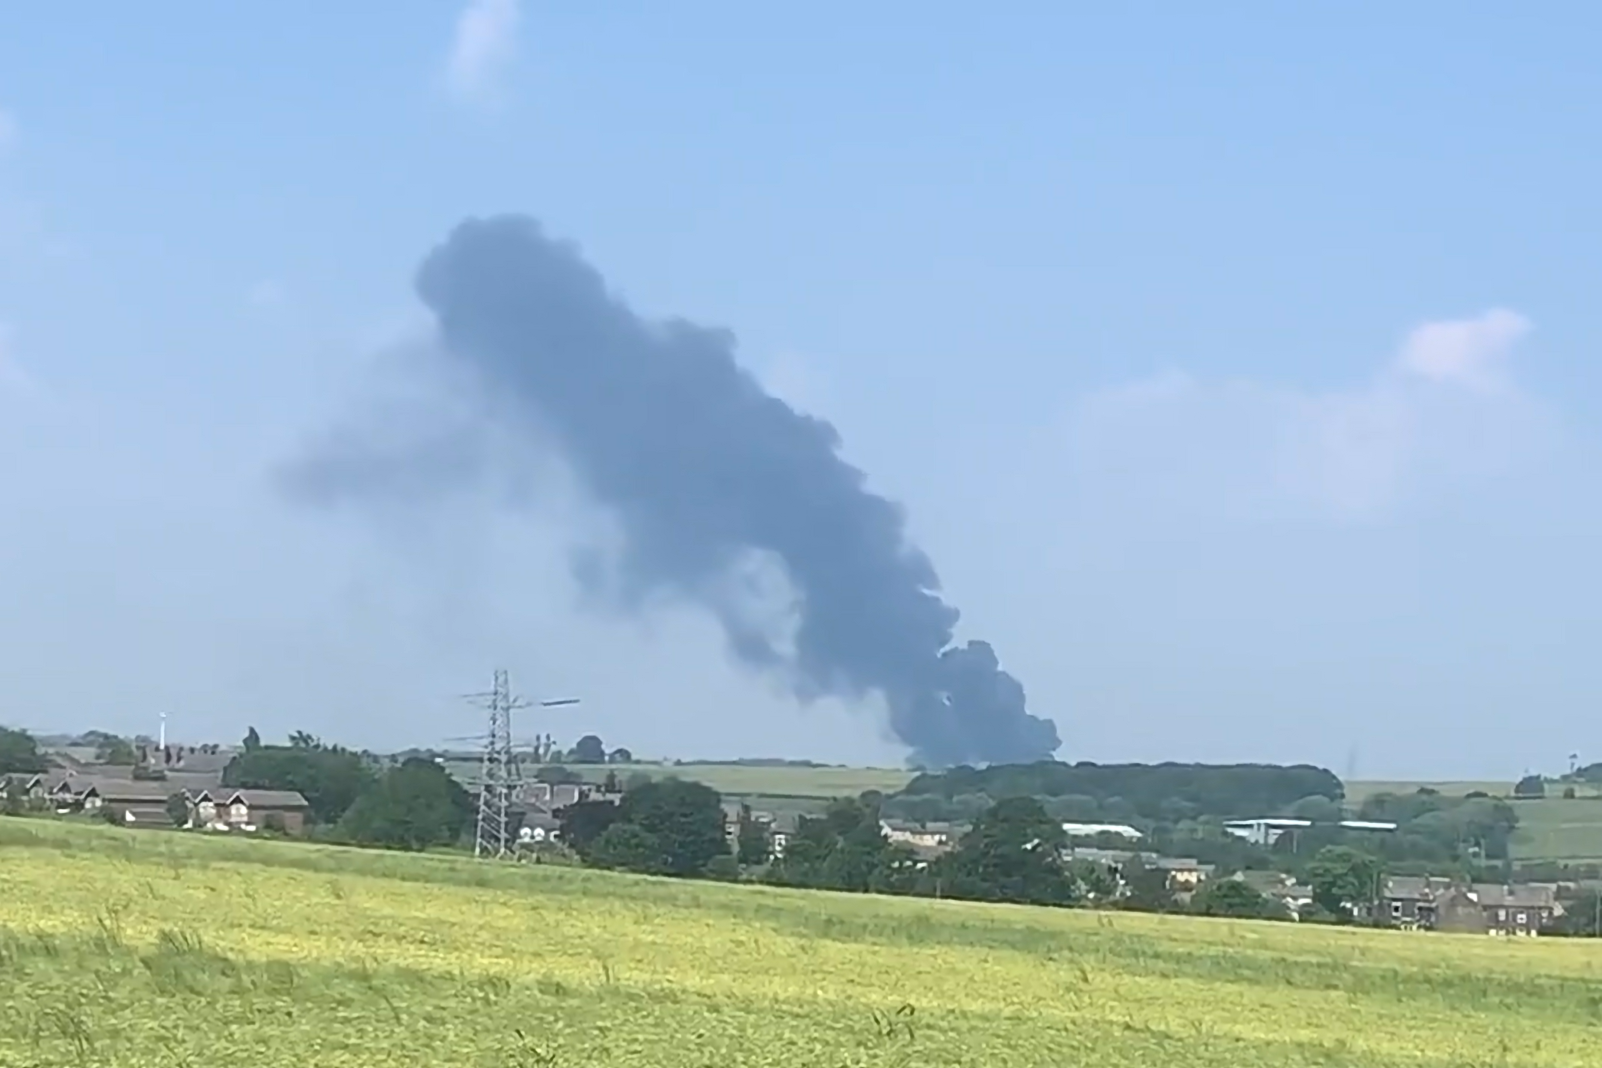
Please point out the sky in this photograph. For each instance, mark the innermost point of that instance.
(1235, 367)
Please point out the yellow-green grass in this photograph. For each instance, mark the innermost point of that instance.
(122, 948)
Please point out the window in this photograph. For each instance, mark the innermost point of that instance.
(1396, 908)
(1523, 917)
(1501, 915)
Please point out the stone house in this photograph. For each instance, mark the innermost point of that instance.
(249, 810)
(1430, 903)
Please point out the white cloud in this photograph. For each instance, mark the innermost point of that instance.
(484, 46)
(1468, 352)
(1444, 410)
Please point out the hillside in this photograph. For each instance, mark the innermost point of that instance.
(124, 949)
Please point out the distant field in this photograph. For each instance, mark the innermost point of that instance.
(1359, 789)
(126, 949)
(741, 780)
(1555, 829)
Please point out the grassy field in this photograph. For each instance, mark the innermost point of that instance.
(743, 780)
(1555, 829)
(159, 948)
(1358, 790)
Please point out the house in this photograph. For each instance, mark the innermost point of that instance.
(249, 809)
(1519, 910)
(1091, 830)
(1281, 888)
(81, 794)
(1413, 902)
(29, 787)
(1265, 831)
(1185, 874)
(554, 795)
(1431, 903)
(938, 837)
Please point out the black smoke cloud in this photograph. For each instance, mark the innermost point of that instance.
(705, 471)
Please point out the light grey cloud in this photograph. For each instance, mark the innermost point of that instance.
(1444, 409)
(484, 47)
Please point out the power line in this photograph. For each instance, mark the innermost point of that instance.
(499, 772)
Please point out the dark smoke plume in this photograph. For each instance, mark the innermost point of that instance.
(705, 471)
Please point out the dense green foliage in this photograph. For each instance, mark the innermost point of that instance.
(1343, 880)
(1231, 897)
(19, 752)
(1013, 853)
(330, 778)
(588, 750)
(661, 827)
(843, 849)
(1123, 792)
(414, 805)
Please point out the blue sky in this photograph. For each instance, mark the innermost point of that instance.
(1235, 367)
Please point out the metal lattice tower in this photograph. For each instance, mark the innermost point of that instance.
(499, 776)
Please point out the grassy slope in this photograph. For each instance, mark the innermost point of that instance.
(1555, 829)
(126, 948)
(741, 781)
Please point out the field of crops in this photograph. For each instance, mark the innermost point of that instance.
(159, 948)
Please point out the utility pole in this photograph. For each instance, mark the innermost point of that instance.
(499, 775)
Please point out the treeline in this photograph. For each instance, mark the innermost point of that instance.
(1014, 852)
(359, 798)
(1126, 793)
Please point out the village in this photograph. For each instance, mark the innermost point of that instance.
(179, 786)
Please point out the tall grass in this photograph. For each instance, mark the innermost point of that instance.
(120, 949)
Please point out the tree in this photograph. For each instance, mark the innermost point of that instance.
(1147, 889)
(751, 843)
(588, 750)
(1013, 853)
(583, 824)
(178, 810)
(414, 805)
(111, 749)
(1092, 881)
(1530, 786)
(1582, 917)
(15, 801)
(19, 753)
(1317, 809)
(620, 756)
(1343, 879)
(684, 818)
(304, 740)
(556, 774)
(329, 778)
(1232, 897)
(843, 849)
(630, 847)
(252, 740)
